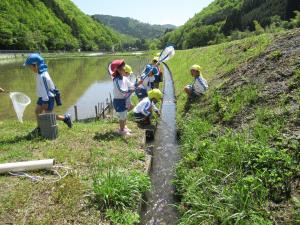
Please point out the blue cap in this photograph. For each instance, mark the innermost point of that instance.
(148, 70)
(34, 59)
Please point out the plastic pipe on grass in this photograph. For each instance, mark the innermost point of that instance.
(27, 166)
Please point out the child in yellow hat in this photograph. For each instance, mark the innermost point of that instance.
(143, 111)
(128, 72)
(199, 86)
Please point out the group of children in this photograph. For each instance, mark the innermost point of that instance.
(146, 89)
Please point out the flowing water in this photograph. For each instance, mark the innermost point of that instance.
(159, 207)
(82, 81)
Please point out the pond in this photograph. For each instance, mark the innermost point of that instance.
(82, 81)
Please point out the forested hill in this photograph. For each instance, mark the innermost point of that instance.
(134, 27)
(222, 17)
(52, 25)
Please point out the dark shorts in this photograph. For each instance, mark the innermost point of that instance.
(50, 103)
(157, 79)
(120, 105)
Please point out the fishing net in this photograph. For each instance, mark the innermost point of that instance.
(20, 102)
(167, 54)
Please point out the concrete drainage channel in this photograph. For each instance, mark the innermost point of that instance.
(158, 207)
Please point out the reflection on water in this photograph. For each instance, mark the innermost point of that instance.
(82, 81)
(96, 93)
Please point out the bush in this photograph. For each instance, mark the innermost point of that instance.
(120, 190)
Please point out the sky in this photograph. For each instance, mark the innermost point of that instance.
(175, 12)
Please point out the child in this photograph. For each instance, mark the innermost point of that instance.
(199, 85)
(45, 88)
(122, 89)
(128, 73)
(145, 84)
(143, 111)
(157, 72)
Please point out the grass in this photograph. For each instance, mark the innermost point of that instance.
(105, 183)
(235, 163)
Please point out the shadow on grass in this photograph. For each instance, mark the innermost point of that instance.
(189, 102)
(31, 136)
(108, 136)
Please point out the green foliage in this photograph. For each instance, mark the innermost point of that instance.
(230, 170)
(230, 20)
(53, 25)
(120, 190)
(276, 55)
(134, 27)
(126, 217)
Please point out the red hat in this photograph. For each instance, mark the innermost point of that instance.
(115, 65)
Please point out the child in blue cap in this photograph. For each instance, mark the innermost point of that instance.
(45, 88)
(157, 72)
(146, 83)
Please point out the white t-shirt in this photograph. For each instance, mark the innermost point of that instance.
(44, 86)
(147, 82)
(200, 85)
(122, 88)
(144, 107)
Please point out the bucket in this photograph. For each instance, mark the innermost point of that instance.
(48, 126)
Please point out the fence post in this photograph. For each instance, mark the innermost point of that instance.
(103, 110)
(96, 110)
(76, 113)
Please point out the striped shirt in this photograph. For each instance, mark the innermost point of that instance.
(44, 86)
(200, 85)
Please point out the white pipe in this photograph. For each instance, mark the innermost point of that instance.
(27, 166)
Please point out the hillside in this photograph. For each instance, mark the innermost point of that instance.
(222, 17)
(240, 142)
(52, 25)
(134, 27)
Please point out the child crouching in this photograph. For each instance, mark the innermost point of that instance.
(143, 111)
(199, 86)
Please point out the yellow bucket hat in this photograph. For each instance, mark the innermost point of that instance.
(156, 94)
(196, 67)
(128, 69)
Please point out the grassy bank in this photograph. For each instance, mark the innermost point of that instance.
(240, 142)
(104, 184)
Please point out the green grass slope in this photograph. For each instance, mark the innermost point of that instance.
(240, 142)
(105, 182)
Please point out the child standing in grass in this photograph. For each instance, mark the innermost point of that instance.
(199, 86)
(128, 73)
(45, 88)
(122, 89)
(143, 111)
(145, 84)
(157, 72)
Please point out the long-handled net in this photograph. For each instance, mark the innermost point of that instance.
(20, 102)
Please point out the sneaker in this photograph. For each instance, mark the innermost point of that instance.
(127, 129)
(124, 133)
(68, 120)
